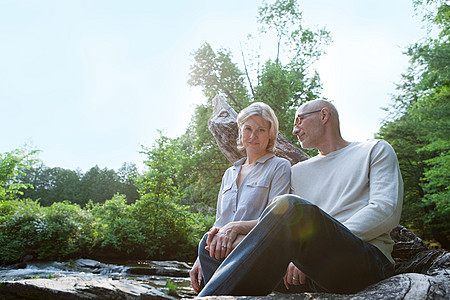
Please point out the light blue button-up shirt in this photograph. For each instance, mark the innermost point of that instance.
(269, 178)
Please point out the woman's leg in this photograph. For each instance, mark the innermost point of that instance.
(209, 264)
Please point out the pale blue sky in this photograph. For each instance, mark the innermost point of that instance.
(88, 82)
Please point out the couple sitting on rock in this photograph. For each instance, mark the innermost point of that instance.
(321, 226)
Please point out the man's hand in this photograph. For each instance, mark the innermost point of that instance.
(293, 276)
(196, 275)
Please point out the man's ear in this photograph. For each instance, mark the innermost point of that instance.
(325, 115)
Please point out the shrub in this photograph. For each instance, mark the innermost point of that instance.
(64, 230)
(116, 227)
(19, 223)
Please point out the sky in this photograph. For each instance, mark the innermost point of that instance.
(90, 82)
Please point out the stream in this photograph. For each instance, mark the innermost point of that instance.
(86, 278)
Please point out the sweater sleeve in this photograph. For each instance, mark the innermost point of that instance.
(382, 213)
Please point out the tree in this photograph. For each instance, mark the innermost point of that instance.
(284, 83)
(288, 81)
(12, 165)
(419, 128)
(216, 73)
(57, 184)
(167, 221)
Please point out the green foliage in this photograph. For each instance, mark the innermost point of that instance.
(216, 73)
(62, 230)
(285, 89)
(419, 129)
(288, 81)
(437, 176)
(116, 226)
(167, 224)
(18, 232)
(171, 288)
(148, 229)
(44, 232)
(57, 184)
(12, 165)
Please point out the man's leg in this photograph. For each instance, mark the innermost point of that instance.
(292, 229)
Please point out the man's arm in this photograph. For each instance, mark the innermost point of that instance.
(386, 196)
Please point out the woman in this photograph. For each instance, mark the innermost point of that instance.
(247, 189)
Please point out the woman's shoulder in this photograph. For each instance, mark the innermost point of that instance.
(281, 162)
(281, 159)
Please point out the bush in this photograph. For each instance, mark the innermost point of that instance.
(18, 230)
(148, 229)
(170, 230)
(64, 230)
(116, 227)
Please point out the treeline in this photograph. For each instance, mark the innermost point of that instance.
(50, 185)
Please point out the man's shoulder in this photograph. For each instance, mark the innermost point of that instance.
(304, 163)
(371, 144)
(377, 145)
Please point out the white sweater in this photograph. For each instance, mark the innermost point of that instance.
(359, 185)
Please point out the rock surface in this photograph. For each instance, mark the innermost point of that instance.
(91, 279)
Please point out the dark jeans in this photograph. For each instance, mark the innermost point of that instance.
(294, 230)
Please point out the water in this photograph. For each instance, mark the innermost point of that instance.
(153, 273)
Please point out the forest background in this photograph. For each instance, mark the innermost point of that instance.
(56, 213)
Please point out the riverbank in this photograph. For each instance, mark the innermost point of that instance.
(86, 278)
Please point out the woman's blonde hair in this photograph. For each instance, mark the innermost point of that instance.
(266, 112)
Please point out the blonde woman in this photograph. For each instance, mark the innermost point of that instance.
(247, 189)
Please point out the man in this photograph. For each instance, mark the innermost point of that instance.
(333, 234)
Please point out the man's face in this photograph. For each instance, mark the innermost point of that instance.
(307, 126)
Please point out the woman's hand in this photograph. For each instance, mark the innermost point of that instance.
(293, 276)
(220, 241)
(196, 275)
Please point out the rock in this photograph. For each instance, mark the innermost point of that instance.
(407, 244)
(91, 279)
(173, 272)
(162, 268)
(79, 288)
(223, 126)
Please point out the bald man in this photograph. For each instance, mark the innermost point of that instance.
(332, 234)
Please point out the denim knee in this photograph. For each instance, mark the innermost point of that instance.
(201, 246)
(284, 205)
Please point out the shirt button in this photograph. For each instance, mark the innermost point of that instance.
(234, 211)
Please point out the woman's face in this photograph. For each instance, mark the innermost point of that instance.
(255, 134)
